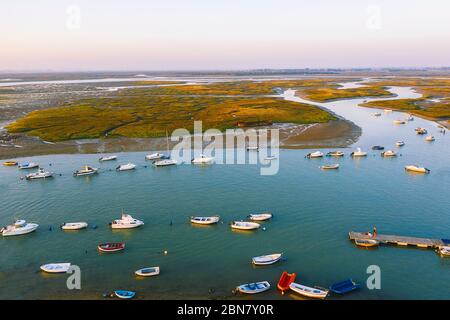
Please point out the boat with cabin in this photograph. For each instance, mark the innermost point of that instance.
(107, 158)
(126, 222)
(154, 156)
(202, 159)
(388, 153)
(358, 153)
(40, 174)
(86, 171)
(126, 167)
(316, 154)
(20, 227)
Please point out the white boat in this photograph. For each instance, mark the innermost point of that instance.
(154, 156)
(244, 225)
(387, 110)
(202, 159)
(267, 259)
(308, 291)
(56, 267)
(40, 174)
(429, 138)
(376, 114)
(335, 154)
(252, 148)
(205, 220)
(147, 272)
(445, 250)
(28, 165)
(389, 153)
(252, 288)
(165, 163)
(260, 216)
(358, 153)
(126, 222)
(270, 158)
(418, 169)
(330, 167)
(18, 228)
(421, 131)
(126, 167)
(108, 158)
(86, 171)
(399, 122)
(410, 118)
(74, 225)
(316, 154)
(400, 143)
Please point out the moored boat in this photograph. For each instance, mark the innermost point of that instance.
(107, 158)
(19, 227)
(244, 225)
(147, 272)
(285, 281)
(260, 216)
(387, 110)
(335, 154)
(344, 287)
(266, 259)
(445, 251)
(367, 242)
(414, 168)
(55, 267)
(205, 220)
(111, 246)
(252, 148)
(154, 156)
(358, 153)
(74, 225)
(253, 288)
(389, 153)
(308, 291)
(126, 167)
(330, 167)
(270, 158)
(28, 165)
(400, 143)
(40, 174)
(10, 163)
(165, 163)
(202, 159)
(316, 154)
(399, 122)
(377, 148)
(126, 222)
(376, 114)
(421, 131)
(124, 294)
(429, 138)
(86, 171)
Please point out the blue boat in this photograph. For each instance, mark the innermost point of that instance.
(344, 287)
(123, 294)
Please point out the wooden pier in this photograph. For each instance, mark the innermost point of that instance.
(398, 240)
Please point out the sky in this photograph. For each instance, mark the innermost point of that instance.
(61, 35)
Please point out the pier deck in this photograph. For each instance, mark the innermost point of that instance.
(399, 240)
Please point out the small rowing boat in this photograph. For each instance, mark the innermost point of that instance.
(316, 154)
(330, 167)
(367, 242)
(260, 216)
(244, 225)
(267, 259)
(418, 169)
(10, 163)
(86, 171)
(308, 291)
(285, 281)
(147, 272)
(205, 220)
(399, 122)
(377, 148)
(253, 288)
(124, 294)
(344, 287)
(335, 154)
(107, 158)
(56, 267)
(376, 114)
(111, 246)
(126, 167)
(74, 225)
(28, 165)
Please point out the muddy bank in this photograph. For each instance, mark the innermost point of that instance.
(334, 134)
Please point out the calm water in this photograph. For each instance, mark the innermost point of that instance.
(314, 211)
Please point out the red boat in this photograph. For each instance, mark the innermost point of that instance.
(285, 280)
(111, 246)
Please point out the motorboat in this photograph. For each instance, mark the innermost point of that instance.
(400, 143)
(10, 163)
(56, 267)
(387, 110)
(28, 165)
(107, 158)
(316, 154)
(429, 138)
(165, 163)
(252, 148)
(308, 291)
(252, 288)
(267, 259)
(111, 246)
(202, 159)
(358, 153)
(244, 225)
(389, 153)
(330, 167)
(270, 158)
(410, 118)
(399, 122)
(445, 251)
(147, 272)
(154, 156)
(126, 167)
(205, 220)
(414, 168)
(86, 171)
(377, 148)
(74, 225)
(421, 131)
(19, 227)
(126, 222)
(260, 216)
(344, 287)
(40, 174)
(335, 154)
(376, 114)
(285, 281)
(124, 294)
(367, 242)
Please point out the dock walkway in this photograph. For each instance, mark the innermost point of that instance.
(399, 240)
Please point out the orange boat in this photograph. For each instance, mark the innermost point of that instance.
(10, 163)
(285, 280)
